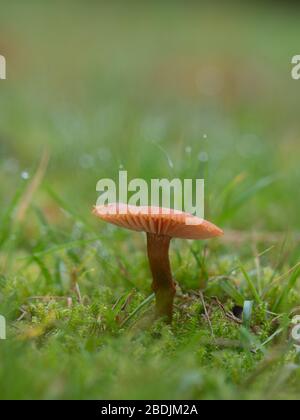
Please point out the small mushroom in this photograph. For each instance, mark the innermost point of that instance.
(160, 225)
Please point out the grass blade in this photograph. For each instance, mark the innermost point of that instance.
(137, 310)
(231, 291)
(281, 301)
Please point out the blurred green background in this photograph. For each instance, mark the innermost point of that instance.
(104, 85)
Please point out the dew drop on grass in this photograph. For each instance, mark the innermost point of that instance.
(203, 157)
(25, 175)
(188, 150)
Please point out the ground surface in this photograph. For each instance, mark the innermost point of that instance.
(162, 91)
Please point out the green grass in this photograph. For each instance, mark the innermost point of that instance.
(156, 90)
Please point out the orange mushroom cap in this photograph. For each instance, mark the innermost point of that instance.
(157, 220)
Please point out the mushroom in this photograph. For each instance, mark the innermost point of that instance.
(160, 225)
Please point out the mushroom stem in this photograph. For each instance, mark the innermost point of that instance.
(163, 284)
